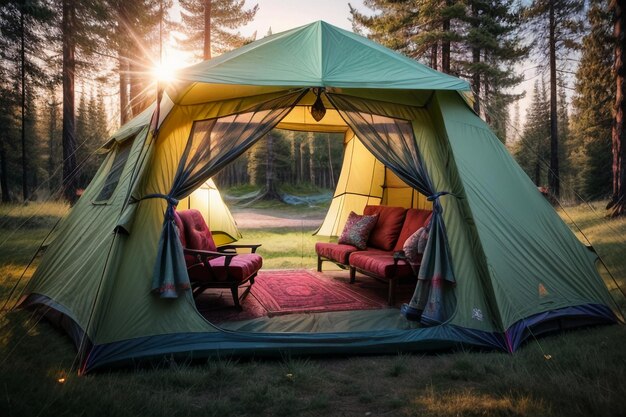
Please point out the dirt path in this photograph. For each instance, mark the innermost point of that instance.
(259, 219)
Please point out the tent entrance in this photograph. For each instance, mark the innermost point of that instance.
(269, 222)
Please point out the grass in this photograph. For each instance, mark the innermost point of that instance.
(578, 373)
(285, 248)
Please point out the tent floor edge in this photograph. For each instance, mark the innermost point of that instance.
(555, 321)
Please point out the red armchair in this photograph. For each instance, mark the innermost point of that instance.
(211, 267)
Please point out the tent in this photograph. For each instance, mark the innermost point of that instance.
(502, 263)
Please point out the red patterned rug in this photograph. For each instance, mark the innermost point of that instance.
(300, 291)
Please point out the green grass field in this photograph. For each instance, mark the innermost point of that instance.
(579, 373)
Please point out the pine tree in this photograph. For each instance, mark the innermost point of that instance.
(564, 133)
(423, 29)
(133, 34)
(478, 40)
(209, 24)
(52, 123)
(494, 47)
(83, 32)
(590, 146)
(532, 148)
(555, 26)
(617, 204)
(23, 26)
(91, 132)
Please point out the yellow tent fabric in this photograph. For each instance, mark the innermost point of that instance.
(365, 181)
(208, 200)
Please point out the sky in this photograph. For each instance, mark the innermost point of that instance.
(282, 15)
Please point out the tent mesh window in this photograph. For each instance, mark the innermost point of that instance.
(115, 172)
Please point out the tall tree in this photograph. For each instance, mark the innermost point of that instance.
(134, 35)
(556, 25)
(68, 27)
(209, 25)
(478, 40)
(83, 29)
(423, 29)
(617, 205)
(53, 133)
(532, 147)
(493, 38)
(23, 26)
(590, 144)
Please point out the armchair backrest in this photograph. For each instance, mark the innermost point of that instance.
(197, 233)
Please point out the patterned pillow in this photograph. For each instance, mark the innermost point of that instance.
(415, 245)
(357, 230)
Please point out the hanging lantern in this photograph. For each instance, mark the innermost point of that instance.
(318, 110)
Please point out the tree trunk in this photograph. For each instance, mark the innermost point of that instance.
(433, 56)
(330, 164)
(617, 204)
(476, 75)
(4, 182)
(138, 96)
(51, 141)
(476, 80)
(69, 125)
(445, 48)
(123, 62)
(311, 140)
(553, 173)
(302, 171)
(124, 103)
(207, 29)
(23, 104)
(270, 192)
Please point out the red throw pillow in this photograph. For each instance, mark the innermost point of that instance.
(388, 226)
(415, 218)
(414, 247)
(357, 230)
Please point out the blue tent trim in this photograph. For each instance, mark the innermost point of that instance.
(190, 346)
(223, 343)
(558, 320)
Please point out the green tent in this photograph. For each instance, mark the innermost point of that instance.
(505, 264)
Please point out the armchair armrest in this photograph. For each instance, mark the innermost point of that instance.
(253, 248)
(204, 255)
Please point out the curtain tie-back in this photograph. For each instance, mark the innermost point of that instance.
(170, 200)
(437, 195)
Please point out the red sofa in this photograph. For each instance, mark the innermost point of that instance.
(381, 259)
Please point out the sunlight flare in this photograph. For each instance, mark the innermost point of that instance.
(164, 72)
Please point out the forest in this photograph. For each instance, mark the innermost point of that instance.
(547, 75)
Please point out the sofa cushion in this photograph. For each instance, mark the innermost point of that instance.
(241, 268)
(335, 251)
(415, 218)
(380, 263)
(357, 230)
(388, 226)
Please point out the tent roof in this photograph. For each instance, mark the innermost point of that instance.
(317, 55)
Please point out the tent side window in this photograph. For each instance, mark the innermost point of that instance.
(115, 172)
